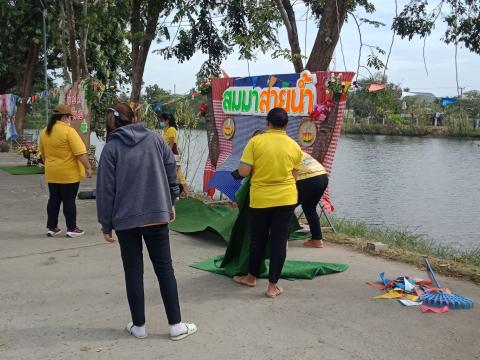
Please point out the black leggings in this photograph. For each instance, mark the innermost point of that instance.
(158, 245)
(310, 192)
(269, 225)
(66, 194)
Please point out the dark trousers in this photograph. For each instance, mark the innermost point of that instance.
(269, 225)
(66, 194)
(310, 192)
(158, 245)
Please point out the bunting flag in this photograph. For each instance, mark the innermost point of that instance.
(285, 84)
(97, 87)
(376, 87)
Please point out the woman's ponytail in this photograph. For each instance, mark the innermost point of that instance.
(53, 119)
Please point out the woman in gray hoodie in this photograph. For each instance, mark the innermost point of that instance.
(136, 191)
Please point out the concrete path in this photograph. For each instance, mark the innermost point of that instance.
(64, 299)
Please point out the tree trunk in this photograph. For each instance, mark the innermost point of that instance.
(328, 34)
(137, 78)
(25, 83)
(84, 73)
(72, 37)
(141, 41)
(288, 16)
(63, 22)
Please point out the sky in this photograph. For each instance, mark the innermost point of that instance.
(405, 67)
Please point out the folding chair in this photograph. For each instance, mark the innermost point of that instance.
(91, 153)
(330, 226)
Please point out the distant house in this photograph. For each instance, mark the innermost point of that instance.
(419, 96)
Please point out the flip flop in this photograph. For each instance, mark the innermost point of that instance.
(308, 243)
(191, 329)
(129, 329)
(238, 280)
(278, 293)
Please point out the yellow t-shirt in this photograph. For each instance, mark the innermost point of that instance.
(170, 132)
(310, 167)
(60, 149)
(273, 156)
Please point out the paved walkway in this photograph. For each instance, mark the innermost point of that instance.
(64, 299)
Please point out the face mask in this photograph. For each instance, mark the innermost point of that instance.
(162, 125)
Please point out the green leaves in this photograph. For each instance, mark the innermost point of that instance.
(214, 29)
(462, 18)
(374, 23)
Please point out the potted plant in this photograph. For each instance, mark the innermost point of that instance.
(30, 153)
(336, 86)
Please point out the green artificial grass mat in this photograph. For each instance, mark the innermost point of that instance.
(292, 269)
(234, 226)
(193, 215)
(22, 170)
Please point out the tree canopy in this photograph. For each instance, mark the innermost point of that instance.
(216, 28)
(111, 39)
(462, 19)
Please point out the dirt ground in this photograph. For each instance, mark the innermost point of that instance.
(64, 298)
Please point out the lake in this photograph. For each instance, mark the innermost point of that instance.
(429, 186)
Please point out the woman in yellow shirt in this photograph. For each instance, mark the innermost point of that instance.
(312, 180)
(65, 157)
(169, 130)
(271, 158)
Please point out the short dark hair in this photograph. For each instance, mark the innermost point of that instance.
(277, 117)
(170, 119)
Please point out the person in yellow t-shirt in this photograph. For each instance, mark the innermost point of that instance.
(169, 128)
(312, 181)
(271, 158)
(66, 163)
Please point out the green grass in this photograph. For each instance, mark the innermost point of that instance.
(406, 240)
(22, 170)
(408, 130)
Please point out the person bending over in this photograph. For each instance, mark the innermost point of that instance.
(312, 180)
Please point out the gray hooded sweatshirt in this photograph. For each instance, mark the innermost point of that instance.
(136, 181)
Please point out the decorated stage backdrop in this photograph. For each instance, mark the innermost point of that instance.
(74, 95)
(315, 103)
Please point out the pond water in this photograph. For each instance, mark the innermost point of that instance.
(430, 186)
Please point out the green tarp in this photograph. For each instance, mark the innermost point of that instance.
(235, 260)
(293, 269)
(194, 216)
(22, 170)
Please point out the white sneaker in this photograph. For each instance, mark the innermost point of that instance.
(191, 329)
(132, 331)
(76, 232)
(54, 232)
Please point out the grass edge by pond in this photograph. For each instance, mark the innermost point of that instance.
(409, 130)
(407, 247)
